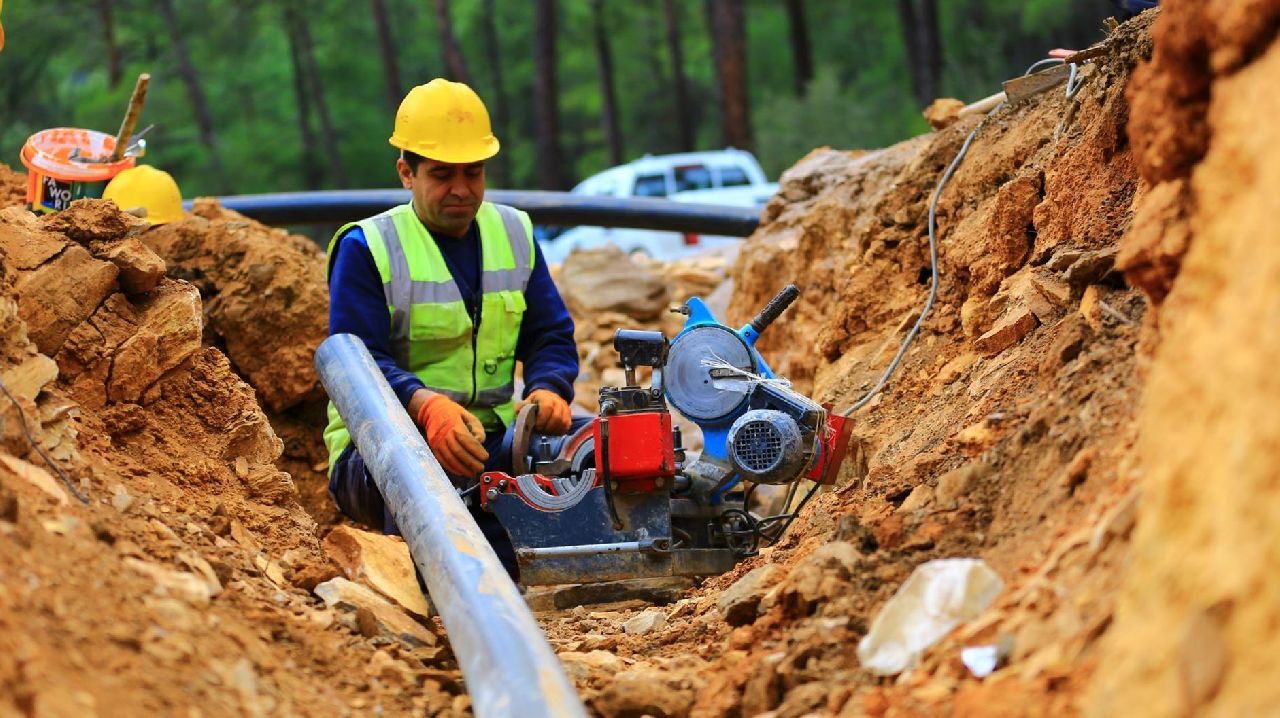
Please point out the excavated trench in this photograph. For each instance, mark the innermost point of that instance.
(1089, 409)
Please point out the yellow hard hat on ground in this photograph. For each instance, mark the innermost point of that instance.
(444, 121)
(147, 187)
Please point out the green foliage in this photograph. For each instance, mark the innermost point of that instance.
(851, 117)
(53, 73)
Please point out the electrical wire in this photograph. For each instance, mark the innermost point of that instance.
(22, 419)
(1072, 88)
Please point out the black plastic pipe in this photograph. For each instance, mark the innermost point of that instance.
(563, 209)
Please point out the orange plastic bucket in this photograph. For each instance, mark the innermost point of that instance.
(66, 164)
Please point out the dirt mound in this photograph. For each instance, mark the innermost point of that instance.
(13, 187)
(1196, 627)
(188, 571)
(264, 294)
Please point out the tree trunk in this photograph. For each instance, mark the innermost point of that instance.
(800, 50)
(455, 64)
(493, 54)
(545, 96)
(199, 107)
(109, 34)
(311, 72)
(684, 117)
(387, 44)
(931, 48)
(604, 58)
(729, 40)
(312, 172)
(923, 45)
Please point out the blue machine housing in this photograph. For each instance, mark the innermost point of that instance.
(715, 432)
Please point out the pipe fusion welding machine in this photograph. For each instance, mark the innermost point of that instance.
(620, 499)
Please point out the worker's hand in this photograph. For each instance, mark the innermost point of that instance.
(553, 412)
(455, 436)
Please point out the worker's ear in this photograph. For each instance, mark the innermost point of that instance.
(406, 174)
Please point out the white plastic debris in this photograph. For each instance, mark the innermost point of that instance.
(937, 597)
(981, 660)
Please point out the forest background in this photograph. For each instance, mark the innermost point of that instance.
(280, 95)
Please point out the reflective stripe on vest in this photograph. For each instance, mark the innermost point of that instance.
(431, 332)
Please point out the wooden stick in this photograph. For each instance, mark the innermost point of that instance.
(983, 106)
(131, 116)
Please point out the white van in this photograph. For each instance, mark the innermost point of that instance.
(729, 177)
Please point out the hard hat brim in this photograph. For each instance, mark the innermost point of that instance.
(473, 152)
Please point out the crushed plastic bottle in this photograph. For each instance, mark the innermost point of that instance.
(937, 597)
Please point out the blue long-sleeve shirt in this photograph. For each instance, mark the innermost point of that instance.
(358, 305)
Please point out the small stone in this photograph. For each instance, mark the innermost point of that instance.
(379, 562)
(1091, 307)
(919, 497)
(738, 603)
(640, 692)
(186, 586)
(140, 268)
(953, 485)
(61, 525)
(1072, 336)
(1118, 522)
(274, 572)
(374, 611)
(1091, 267)
(943, 112)
(242, 467)
(1008, 331)
(1078, 469)
(36, 477)
(322, 619)
(1053, 289)
(582, 665)
(597, 642)
(121, 499)
(30, 377)
(647, 622)
(955, 368)
(1203, 656)
(976, 438)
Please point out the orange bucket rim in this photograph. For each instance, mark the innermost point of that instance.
(37, 156)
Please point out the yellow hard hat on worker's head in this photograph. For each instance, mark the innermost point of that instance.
(147, 187)
(444, 121)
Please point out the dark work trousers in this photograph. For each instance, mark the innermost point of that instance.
(352, 488)
(358, 498)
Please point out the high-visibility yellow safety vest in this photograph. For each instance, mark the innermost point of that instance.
(431, 333)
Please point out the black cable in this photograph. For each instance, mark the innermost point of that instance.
(22, 419)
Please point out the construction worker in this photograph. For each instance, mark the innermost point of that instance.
(448, 292)
(147, 192)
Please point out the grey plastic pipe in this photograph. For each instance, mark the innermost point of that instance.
(509, 668)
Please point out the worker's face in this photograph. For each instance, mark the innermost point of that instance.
(447, 196)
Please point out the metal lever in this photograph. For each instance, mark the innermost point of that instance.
(774, 308)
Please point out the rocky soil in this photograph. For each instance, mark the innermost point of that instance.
(1089, 409)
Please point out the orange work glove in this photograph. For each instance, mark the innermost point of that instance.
(553, 412)
(455, 436)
